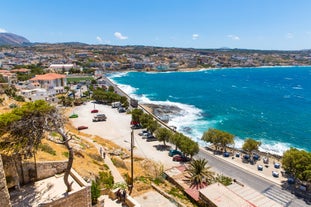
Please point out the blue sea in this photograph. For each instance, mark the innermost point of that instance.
(272, 105)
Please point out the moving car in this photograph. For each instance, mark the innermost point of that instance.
(94, 111)
(82, 127)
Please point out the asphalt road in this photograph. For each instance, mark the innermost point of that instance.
(265, 187)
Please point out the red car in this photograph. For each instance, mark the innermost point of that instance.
(94, 111)
(181, 158)
(82, 127)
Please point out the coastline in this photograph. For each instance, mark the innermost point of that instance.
(276, 147)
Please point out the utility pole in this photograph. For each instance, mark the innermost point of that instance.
(132, 164)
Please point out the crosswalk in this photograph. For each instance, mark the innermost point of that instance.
(280, 196)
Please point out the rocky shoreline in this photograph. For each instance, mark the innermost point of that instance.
(163, 112)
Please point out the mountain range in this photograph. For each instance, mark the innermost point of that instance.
(12, 39)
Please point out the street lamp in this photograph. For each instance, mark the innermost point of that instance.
(130, 185)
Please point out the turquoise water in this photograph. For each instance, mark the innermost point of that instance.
(272, 105)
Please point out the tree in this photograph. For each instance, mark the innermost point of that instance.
(153, 125)
(22, 130)
(176, 139)
(163, 134)
(136, 113)
(297, 163)
(111, 89)
(145, 119)
(199, 174)
(251, 145)
(218, 137)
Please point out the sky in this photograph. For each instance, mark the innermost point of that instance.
(208, 24)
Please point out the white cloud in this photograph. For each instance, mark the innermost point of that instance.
(99, 39)
(233, 37)
(119, 36)
(2, 30)
(195, 36)
(289, 36)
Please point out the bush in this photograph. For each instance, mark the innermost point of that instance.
(106, 179)
(224, 180)
(95, 192)
(66, 154)
(47, 148)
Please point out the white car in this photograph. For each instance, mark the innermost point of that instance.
(275, 174)
(260, 167)
(143, 133)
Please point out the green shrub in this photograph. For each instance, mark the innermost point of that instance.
(106, 179)
(95, 192)
(158, 180)
(177, 193)
(47, 148)
(224, 180)
(66, 154)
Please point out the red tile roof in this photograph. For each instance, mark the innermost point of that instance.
(48, 76)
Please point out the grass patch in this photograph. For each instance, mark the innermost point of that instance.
(79, 79)
(177, 193)
(47, 148)
(66, 154)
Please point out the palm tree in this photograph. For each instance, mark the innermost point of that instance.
(199, 174)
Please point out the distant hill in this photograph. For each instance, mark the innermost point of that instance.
(12, 39)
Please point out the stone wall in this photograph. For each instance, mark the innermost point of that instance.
(80, 198)
(23, 173)
(44, 169)
(4, 194)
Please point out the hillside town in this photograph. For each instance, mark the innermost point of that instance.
(63, 57)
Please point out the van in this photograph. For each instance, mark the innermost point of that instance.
(115, 104)
(99, 117)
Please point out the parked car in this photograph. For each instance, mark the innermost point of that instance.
(151, 138)
(291, 181)
(143, 133)
(82, 127)
(237, 154)
(265, 160)
(256, 157)
(226, 154)
(259, 167)
(74, 116)
(99, 117)
(148, 134)
(136, 126)
(275, 174)
(277, 165)
(181, 158)
(94, 111)
(246, 157)
(173, 152)
(121, 110)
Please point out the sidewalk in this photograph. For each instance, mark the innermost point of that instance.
(266, 173)
(115, 173)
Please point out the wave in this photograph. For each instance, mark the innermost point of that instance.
(272, 147)
(111, 76)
